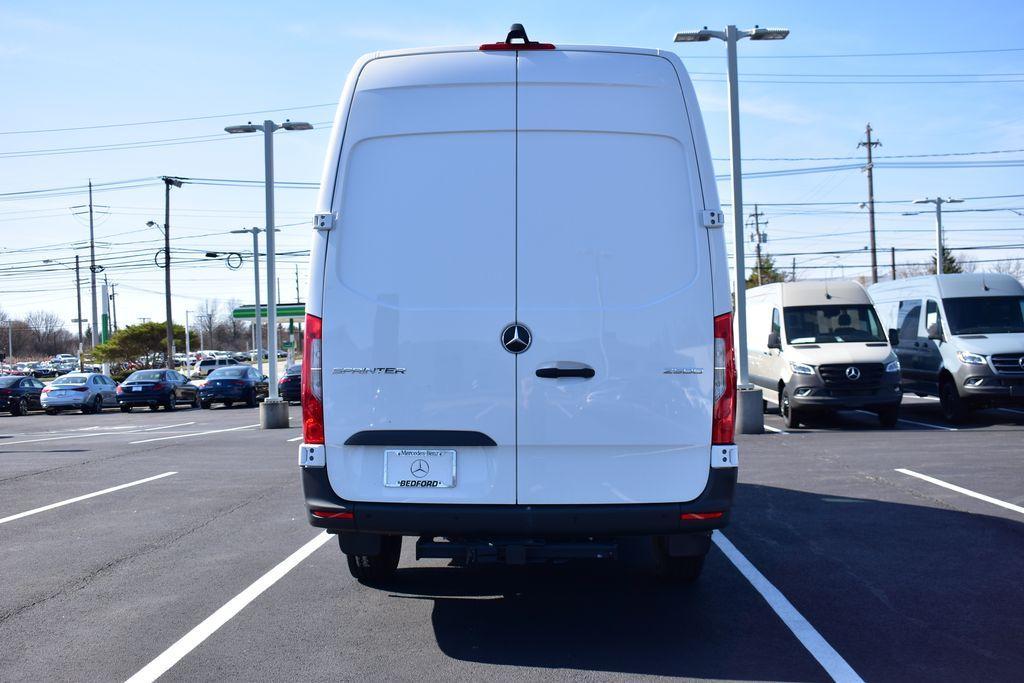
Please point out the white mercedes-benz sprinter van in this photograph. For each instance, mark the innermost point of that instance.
(818, 345)
(961, 338)
(518, 343)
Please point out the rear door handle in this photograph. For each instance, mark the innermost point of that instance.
(556, 373)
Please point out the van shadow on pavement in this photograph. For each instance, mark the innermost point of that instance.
(900, 591)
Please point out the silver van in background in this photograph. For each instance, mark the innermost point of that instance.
(961, 338)
(816, 346)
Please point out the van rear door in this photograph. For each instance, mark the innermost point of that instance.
(613, 275)
(420, 278)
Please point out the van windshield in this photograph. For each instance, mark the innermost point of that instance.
(985, 314)
(832, 324)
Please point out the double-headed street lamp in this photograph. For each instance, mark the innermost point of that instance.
(938, 202)
(78, 292)
(256, 277)
(750, 417)
(273, 411)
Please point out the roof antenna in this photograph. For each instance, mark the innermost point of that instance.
(983, 282)
(827, 295)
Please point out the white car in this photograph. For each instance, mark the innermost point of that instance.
(89, 392)
(208, 365)
(518, 344)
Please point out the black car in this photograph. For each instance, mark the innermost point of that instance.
(230, 385)
(290, 386)
(155, 388)
(18, 395)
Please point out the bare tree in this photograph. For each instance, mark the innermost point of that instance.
(209, 312)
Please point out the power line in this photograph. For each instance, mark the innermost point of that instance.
(880, 156)
(867, 54)
(179, 120)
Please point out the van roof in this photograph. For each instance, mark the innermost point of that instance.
(476, 48)
(950, 286)
(816, 292)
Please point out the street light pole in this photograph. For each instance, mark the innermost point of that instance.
(273, 411)
(750, 416)
(256, 278)
(169, 353)
(938, 202)
(78, 293)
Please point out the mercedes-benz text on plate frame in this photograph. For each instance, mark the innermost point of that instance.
(419, 468)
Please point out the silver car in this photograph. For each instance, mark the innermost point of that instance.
(89, 392)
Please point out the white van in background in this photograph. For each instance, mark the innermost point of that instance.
(818, 345)
(518, 340)
(961, 338)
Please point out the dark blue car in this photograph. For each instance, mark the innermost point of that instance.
(156, 388)
(290, 386)
(18, 395)
(236, 384)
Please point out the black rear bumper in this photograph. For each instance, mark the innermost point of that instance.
(412, 519)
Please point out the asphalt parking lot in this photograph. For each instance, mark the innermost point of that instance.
(854, 551)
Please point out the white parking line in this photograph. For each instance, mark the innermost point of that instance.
(830, 660)
(1013, 410)
(960, 489)
(86, 496)
(775, 430)
(180, 424)
(209, 626)
(912, 422)
(58, 438)
(298, 438)
(183, 436)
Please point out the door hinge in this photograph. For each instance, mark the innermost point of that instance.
(712, 218)
(323, 222)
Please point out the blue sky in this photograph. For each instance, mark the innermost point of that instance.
(85, 64)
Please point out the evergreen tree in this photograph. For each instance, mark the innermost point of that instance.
(950, 264)
(769, 273)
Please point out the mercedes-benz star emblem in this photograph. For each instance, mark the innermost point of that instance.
(419, 468)
(516, 338)
(1020, 362)
(853, 373)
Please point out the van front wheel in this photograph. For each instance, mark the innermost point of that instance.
(790, 415)
(377, 567)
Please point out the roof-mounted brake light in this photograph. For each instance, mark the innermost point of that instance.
(517, 32)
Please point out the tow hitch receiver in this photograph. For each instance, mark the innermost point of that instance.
(514, 550)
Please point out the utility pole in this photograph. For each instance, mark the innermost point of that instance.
(92, 272)
(892, 261)
(298, 298)
(168, 182)
(113, 304)
(794, 269)
(757, 238)
(869, 144)
(257, 323)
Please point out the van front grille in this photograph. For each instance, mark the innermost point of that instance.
(1008, 363)
(835, 375)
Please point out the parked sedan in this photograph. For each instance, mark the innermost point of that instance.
(238, 384)
(18, 395)
(290, 386)
(155, 388)
(89, 392)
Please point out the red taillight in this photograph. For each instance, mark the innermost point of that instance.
(159, 386)
(327, 514)
(312, 382)
(723, 418)
(237, 382)
(492, 47)
(5, 392)
(46, 390)
(693, 516)
(80, 389)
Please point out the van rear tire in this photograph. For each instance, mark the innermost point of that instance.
(377, 567)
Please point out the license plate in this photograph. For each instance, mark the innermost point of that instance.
(136, 388)
(419, 468)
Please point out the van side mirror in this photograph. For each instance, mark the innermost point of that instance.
(894, 337)
(774, 342)
(935, 332)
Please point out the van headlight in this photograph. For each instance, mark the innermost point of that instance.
(968, 358)
(801, 368)
(893, 366)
